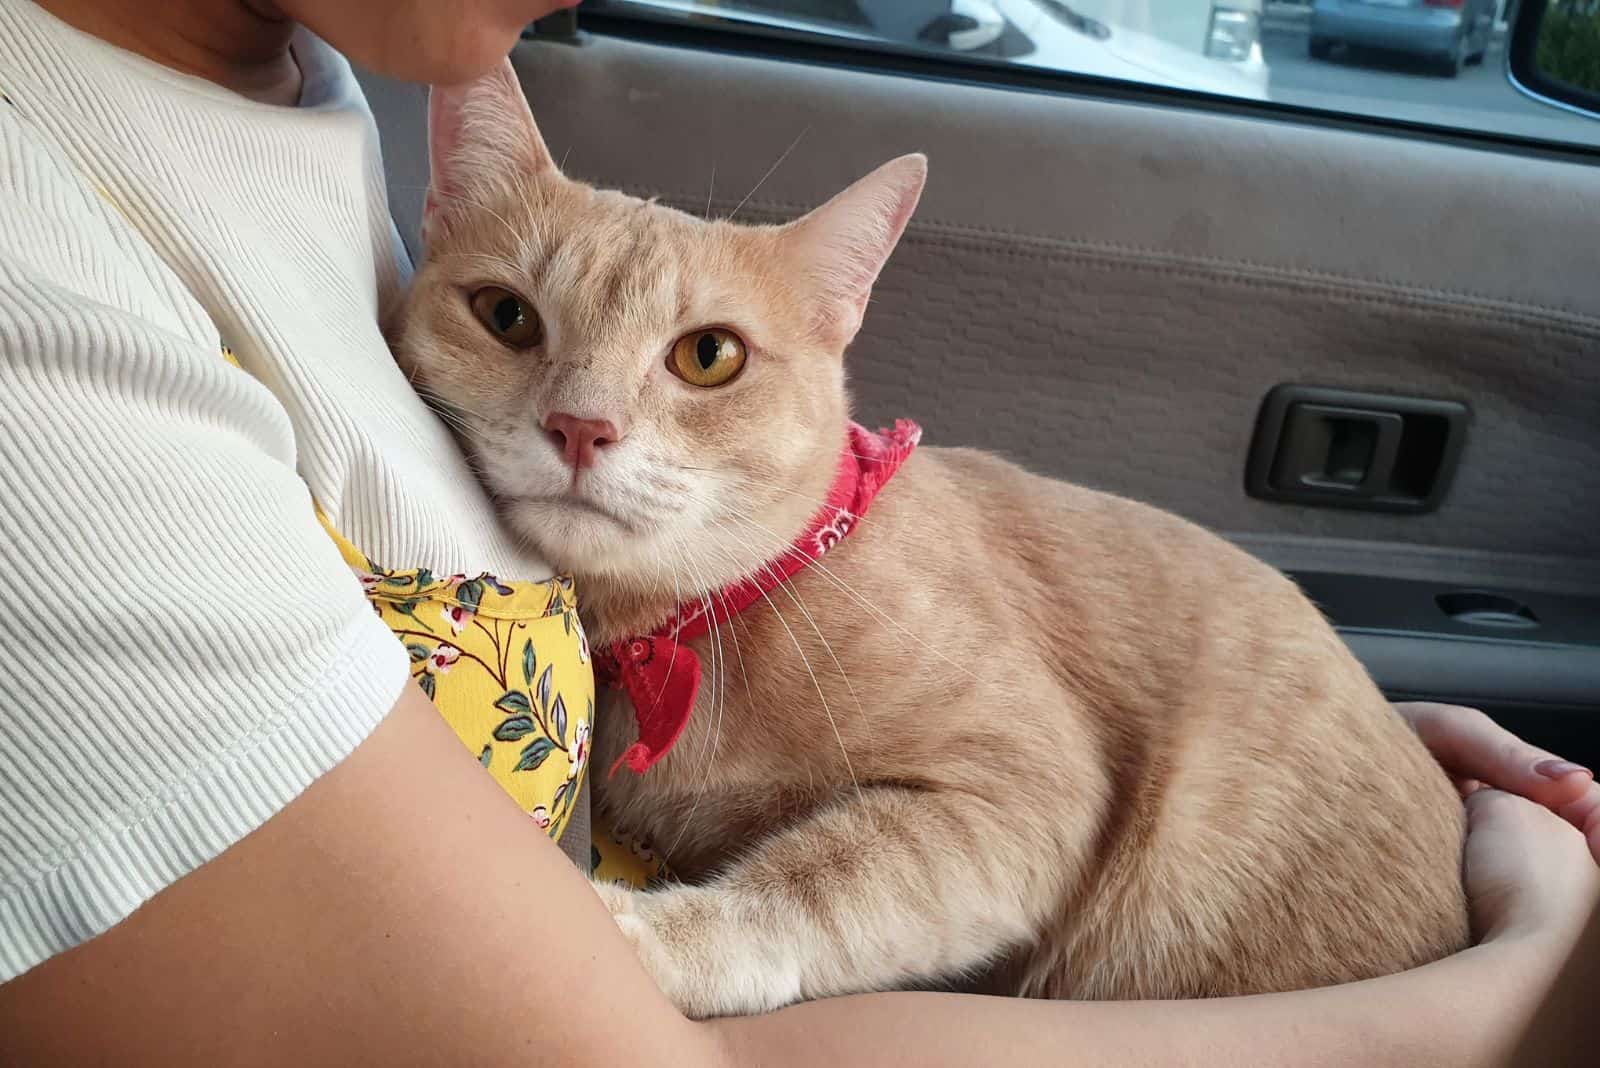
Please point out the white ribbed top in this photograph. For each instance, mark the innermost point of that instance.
(184, 650)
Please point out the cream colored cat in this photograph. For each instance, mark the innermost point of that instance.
(1005, 724)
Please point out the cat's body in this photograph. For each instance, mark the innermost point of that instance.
(1096, 733)
(1005, 722)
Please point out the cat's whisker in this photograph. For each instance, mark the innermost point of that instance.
(815, 682)
(718, 711)
(770, 170)
(793, 594)
(745, 481)
(711, 189)
(756, 483)
(832, 723)
(620, 817)
(680, 552)
(464, 420)
(437, 401)
(732, 631)
(461, 424)
(783, 548)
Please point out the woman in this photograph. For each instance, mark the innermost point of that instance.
(232, 828)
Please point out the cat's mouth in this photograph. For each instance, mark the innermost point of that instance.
(570, 502)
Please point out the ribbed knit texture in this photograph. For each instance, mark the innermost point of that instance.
(184, 650)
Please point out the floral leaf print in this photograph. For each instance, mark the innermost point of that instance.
(425, 681)
(396, 580)
(486, 756)
(407, 608)
(566, 621)
(470, 594)
(564, 796)
(514, 728)
(513, 703)
(418, 652)
(535, 752)
(529, 662)
(424, 578)
(559, 714)
(499, 587)
(544, 688)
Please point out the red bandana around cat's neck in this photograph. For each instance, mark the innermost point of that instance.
(661, 674)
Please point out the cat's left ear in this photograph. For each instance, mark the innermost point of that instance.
(481, 140)
(839, 248)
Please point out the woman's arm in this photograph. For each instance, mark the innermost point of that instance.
(1564, 1033)
(403, 911)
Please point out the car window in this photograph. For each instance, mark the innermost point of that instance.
(1435, 62)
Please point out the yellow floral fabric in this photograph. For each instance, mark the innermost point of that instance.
(506, 664)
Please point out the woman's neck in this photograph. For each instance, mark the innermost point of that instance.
(241, 45)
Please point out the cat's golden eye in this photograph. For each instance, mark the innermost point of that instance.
(508, 317)
(707, 357)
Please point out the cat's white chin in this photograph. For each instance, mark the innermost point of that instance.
(578, 535)
(557, 513)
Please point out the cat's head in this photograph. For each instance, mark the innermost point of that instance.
(649, 396)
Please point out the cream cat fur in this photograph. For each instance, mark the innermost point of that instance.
(1059, 734)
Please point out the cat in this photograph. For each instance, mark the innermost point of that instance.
(1005, 723)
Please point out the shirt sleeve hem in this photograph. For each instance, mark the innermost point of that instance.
(133, 856)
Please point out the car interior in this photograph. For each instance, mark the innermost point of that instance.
(1366, 349)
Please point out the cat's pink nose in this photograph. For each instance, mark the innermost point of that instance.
(579, 439)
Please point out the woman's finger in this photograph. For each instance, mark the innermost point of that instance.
(1470, 745)
(1584, 814)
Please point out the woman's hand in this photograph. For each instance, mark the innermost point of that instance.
(1531, 879)
(1528, 876)
(1478, 752)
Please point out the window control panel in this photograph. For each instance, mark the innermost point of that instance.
(1354, 450)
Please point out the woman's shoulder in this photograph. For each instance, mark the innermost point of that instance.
(65, 240)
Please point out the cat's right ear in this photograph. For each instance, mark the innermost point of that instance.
(481, 141)
(838, 249)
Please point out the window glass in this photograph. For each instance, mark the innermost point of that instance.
(1440, 62)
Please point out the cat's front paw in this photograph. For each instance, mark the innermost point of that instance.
(703, 960)
(622, 901)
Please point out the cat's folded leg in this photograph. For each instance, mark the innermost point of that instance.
(882, 890)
